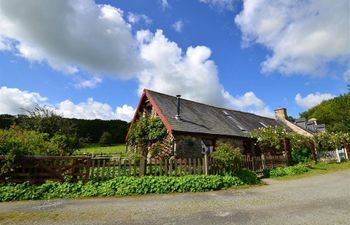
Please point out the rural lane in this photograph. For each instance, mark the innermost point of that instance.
(322, 199)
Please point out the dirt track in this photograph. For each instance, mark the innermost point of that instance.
(323, 199)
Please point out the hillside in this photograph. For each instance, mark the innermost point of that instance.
(335, 113)
(90, 130)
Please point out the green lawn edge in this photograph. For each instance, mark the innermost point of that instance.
(318, 169)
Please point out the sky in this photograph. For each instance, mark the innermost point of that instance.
(92, 59)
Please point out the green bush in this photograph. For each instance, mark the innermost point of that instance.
(227, 156)
(66, 144)
(122, 186)
(106, 139)
(289, 171)
(247, 176)
(301, 155)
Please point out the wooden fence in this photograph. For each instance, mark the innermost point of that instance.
(38, 169)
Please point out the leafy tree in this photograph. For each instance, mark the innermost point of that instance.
(335, 113)
(106, 139)
(46, 120)
(60, 130)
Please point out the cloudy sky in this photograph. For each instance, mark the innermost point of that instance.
(92, 59)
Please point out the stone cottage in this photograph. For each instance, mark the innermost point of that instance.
(194, 128)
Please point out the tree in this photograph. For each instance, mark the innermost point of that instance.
(106, 139)
(335, 113)
(45, 120)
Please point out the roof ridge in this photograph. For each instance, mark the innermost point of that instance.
(201, 103)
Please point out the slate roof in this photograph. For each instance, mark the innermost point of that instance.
(206, 119)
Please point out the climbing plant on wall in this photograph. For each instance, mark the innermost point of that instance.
(146, 131)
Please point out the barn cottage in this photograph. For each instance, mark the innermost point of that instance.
(194, 127)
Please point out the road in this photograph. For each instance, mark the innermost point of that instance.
(323, 199)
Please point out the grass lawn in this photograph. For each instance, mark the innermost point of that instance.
(319, 168)
(108, 150)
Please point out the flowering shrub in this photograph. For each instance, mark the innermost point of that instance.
(269, 138)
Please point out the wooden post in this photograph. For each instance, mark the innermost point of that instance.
(205, 164)
(143, 166)
(287, 150)
(263, 162)
(312, 149)
(347, 147)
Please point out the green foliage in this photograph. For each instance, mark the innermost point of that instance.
(247, 176)
(87, 131)
(106, 139)
(15, 142)
(269, 138)
(145, 131)
(45, 120)
(27, 142)
(300, 147)
(329, 141)
(301, 155)
(289, 171)
(120, 186)
(335, 113)
(227, 156)
(66, 144)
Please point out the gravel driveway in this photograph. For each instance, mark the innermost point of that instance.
(323, 199)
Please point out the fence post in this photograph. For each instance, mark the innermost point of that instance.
(263, 162)
(205, 164)
(287, 150)
(253, 163)
(143, 166)
(312, 149)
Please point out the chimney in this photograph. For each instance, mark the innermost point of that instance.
(178, 107)
(281, 114)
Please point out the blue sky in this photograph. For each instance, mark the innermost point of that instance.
(91, 59)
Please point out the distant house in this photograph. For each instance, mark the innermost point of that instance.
(193, 127)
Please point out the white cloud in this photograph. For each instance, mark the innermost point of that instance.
(304, 36)
(75, 35)
(191, 74)
(251, 103)
(91, 83)
(70, 35)
(312, 99)
(164, 4)
(125, 113)
(14, 101)
(221, 4)
(91, 109)
(136, 18)
(178, 25)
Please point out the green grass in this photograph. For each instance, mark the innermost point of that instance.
(108, 150)
(318, 169)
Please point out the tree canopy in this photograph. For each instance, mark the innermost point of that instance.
(335, 113)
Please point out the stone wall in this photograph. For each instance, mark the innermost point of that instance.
(187, 146)
(235, 142)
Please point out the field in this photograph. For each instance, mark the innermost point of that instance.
(119, 149)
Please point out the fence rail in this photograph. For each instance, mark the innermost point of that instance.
(38, 169)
